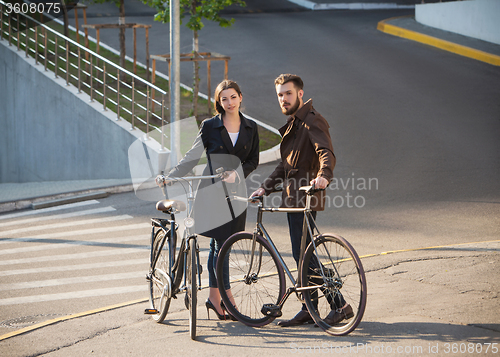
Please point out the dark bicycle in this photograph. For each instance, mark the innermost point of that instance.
(171, 273)
(330, 275)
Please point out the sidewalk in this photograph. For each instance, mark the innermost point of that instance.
(408, 28)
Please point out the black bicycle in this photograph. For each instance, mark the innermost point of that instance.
(331, 280)
(171, 272)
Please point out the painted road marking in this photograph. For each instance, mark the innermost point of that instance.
(66, 224)
(66, 268)
(51, 245)
(72, 280)
(59, 216)
(90, 231)
(50, 209)
(73, 295)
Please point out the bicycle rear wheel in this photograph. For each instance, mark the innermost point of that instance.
(251, 288)
(192, 289)
(160, 284)
(334, 268)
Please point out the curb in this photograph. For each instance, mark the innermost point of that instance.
(438, 43)
(63, 198)
(350, 6)
(72, 199)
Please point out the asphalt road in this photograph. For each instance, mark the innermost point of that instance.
(419, 123)
(415, 132)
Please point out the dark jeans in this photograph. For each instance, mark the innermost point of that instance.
(215, 246)
(295, 222)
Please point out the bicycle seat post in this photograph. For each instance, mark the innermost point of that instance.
(308, 201)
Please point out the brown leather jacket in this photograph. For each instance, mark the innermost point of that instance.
(306, 152)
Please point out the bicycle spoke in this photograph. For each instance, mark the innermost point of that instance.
(264, 285)
(159, 277)
(337, 297)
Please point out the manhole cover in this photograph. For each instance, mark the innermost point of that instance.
(25, 321)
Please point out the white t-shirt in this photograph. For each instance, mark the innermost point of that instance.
(234, 137)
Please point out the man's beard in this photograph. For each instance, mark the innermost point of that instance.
(293, 109)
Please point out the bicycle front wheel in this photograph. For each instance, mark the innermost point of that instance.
(192, 289)
(253, 283)
(160, 283)
(336, 299)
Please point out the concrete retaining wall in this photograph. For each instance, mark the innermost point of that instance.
(474, 18)
(49, 132)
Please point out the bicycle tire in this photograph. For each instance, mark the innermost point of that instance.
(267, 286)
(343, 281)
(160, 281)
(192, 290)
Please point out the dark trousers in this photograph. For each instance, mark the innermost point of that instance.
(295, 223)
(215, 246)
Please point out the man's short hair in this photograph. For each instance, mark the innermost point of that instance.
(285, 78)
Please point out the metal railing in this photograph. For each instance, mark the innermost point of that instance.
(117, 89)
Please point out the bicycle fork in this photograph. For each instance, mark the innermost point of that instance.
(191, 243)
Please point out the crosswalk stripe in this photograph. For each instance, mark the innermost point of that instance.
(72, 280)
(53, 258)
(70, 268)
(73, 233)
(49, 209)
(52, 245)
(59, 216)
(67, 224)
(73, 295)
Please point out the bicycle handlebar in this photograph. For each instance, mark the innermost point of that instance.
(310, 190)
(162, 180)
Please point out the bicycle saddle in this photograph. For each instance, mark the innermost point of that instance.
(168, 205)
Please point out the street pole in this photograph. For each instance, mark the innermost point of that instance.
(175, 77)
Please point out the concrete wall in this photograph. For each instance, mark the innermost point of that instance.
(474, 18)
(49, 132)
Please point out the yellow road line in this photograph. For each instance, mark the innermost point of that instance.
(117, 306)
(68, 317)
(436, 42)
(435, 247)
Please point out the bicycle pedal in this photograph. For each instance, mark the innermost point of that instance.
(150, 311)
(272, 310)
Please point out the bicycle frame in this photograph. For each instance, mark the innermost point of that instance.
(307, 228)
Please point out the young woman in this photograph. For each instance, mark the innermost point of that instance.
(229, 140)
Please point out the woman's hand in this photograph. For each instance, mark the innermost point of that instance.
(160, 180)
(231, 177)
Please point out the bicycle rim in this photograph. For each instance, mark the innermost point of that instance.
(191, 292)
(265, 285)
(160, 280)
(343, 283)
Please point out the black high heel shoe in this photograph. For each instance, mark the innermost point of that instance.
(209, 305)
(223, 307)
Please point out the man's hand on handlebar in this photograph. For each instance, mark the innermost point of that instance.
(257, 193)
(319, 183)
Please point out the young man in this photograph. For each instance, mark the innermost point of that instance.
(306, 158)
